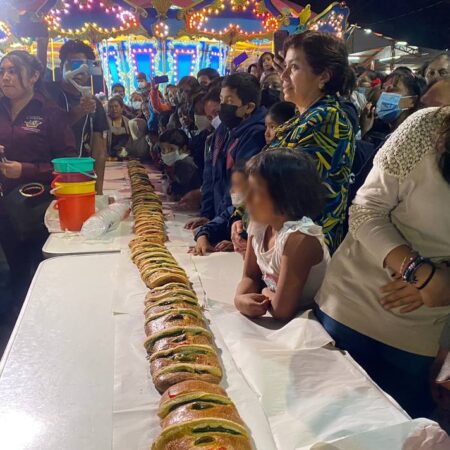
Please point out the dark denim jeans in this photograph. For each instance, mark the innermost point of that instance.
(403, 375)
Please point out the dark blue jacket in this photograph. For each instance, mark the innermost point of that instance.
(197, 149)
(207, 207)
(219, 229)
(227, 148)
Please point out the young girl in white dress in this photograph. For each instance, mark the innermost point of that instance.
(286, 254)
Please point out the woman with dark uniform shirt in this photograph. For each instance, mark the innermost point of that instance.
(33, 131)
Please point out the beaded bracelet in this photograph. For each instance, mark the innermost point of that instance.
(425, 283)
(409, 274)
(407, 260)
(410, 266)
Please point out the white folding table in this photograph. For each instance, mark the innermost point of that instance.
(56, 375)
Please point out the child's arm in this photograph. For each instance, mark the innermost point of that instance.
(301, 252)
(202, 246)
(224, 246)
(213, 232)
(248, 299)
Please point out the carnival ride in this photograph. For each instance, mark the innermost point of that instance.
(176, 37)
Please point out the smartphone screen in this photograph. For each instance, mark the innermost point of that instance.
(240, 59)
(279, 37)
(162, 79)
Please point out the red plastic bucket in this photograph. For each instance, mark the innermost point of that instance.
(74, 210)
(73, 177)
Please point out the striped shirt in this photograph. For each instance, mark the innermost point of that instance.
(326, 133)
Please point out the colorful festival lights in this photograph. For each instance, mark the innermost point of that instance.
(5, 33)
(97, 18)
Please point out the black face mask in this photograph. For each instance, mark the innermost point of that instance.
(227, 115)
(270, 96)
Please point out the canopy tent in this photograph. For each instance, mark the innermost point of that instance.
(383, 53)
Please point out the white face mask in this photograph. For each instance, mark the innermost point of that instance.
(169, 159)
(237, 199)
(142, 84)
(136, 105)
(216, 122)
(201, 122)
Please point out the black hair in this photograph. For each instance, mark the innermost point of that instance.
(185, 109)
(198, 104)
(141, 75)
(208, 72)
(194, 88)
(247, 87)
(358, 69)
(260, 60)
(281, 112)
(116, 85)
(215, 84)
(249, 68)
(381, 75)
(213, 95)
(240, 167)
(270, 78)
(24, 60)
(403, 70)
(175, 137)
(118, 99)
(163, 119)
(292, 180)
(374, 94)
(444, 160)
(423, 68)
(422, 82)
(324, 53)
(190, 81)
(349, 84)
(75, 46)
(170, 86)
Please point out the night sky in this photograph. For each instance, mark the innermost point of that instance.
(427, 28)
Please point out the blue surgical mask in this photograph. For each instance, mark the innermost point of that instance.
(362, 90)
(388, 107)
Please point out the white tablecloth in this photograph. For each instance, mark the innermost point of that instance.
(292, 388)
(75, 374)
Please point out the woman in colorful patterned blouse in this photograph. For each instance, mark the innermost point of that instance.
(313, 72)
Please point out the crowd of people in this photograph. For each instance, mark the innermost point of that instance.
(332, 181)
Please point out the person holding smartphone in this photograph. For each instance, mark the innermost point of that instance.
(87, 115)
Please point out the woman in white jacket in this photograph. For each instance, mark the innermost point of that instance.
(386, 295)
